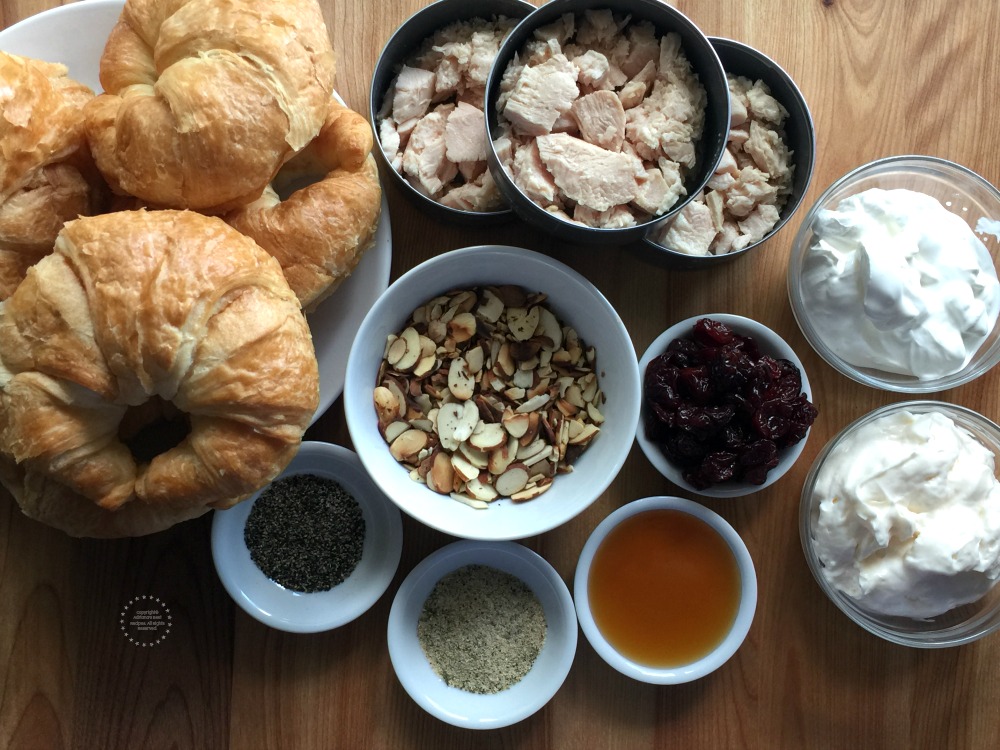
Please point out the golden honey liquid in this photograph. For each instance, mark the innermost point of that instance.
(664, 588)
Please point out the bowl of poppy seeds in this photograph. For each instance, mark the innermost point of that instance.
(482, 634)
(313, 550)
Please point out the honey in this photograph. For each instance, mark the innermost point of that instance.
(664, 588)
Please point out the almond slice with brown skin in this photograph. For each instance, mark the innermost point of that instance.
(512, 480)
(408, 444)
(487, 436)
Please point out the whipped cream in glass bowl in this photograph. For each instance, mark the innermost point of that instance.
(893, 277)
(900, 523)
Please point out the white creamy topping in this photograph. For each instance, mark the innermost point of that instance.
(909, 516)
(896, 282)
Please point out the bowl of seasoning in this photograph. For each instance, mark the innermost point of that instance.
(893, 275)
(313, 550)
(726, 406)
(482, 634)
(665, 590)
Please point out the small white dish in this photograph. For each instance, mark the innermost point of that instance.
(74, 35)
(294, 611)
(721, 653)
(770, 343)
(575, 302)
(459, 707)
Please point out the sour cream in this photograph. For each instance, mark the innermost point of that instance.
(898, 283)
(908, 517)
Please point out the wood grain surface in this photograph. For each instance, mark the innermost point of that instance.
(881, 78)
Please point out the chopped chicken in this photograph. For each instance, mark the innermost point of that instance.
(541, 94)
(759, 221)
(603, 116)
(745, 195)
(573, 162)
(692, 231)
(601, 119)
(424, 159)
(414, 90)
(465, 134)
(532, 176)
(444, 149)
(768, 151)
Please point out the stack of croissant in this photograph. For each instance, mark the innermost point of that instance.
(160, 244)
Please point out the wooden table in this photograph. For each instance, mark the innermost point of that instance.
(881, 78)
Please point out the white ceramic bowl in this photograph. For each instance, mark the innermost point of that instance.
(770, 343)
(711, 661)
(576, 302)
(962, 192)
(459, 707)
(298, 612)
(959, 626)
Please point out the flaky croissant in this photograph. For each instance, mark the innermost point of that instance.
(46, 174)
(132, 312)
(322, 229)
(205, 100)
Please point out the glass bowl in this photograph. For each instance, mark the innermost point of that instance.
(962, 192)
(960, 625)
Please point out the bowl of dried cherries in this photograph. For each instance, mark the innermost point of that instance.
(726, 405)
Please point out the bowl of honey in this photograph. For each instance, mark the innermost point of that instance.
(665, 590)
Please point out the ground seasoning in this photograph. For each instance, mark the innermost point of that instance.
(305, 532)
(481, 629)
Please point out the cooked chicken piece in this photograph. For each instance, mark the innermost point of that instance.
(729, 240)
(471, 170)
(691, 232)
(677, 142)
(481, 195)
(601, 119)
(737, 111)
(633, 92)
(424, 159)
(560, 30)
(727, 163)
(593, 68)
(763, 106)
(566, 123)
(504, 147)
(737, 137)
(769, 152)
(530, 174)
(414, 90)
(485, 45)
(716, 203)
(537, 51)
(721, 181)
(541, 94)
(390, 140)
(598, 28)
(465, 134)
(473, 95)
(759, 222)
(644, 48)
(669, 109)
(657, 190)
(448, 72)
(751, 187)
(588, 174)
(616, 217)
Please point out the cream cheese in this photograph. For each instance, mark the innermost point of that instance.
(908, 519)
(896, 282)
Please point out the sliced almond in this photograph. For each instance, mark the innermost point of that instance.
(522, 323)
(474, 359)
(460, 381)
(480, 490)
(408, 444)
(479, 459)
(512, 480)
(516, 424)
(463, 469)
(395, 349)
(491, 307)
(549, 327)
(412, 354)
(531, 493)
(502, 457)
(441, 475)
(387, 406)
(534, 403)
(425, 366)
(449, 421)
(470, 501)
(462, 327)
(585, 435)
(488, 436)
(595, 414)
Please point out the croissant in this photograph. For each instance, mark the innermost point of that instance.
(204, 100)
(46, 174)
(320, 232)
(135, 315)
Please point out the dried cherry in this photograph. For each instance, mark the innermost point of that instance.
(720, 409)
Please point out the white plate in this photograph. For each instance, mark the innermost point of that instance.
(75, 35)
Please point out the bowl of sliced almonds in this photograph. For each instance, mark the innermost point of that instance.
(490, 393)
